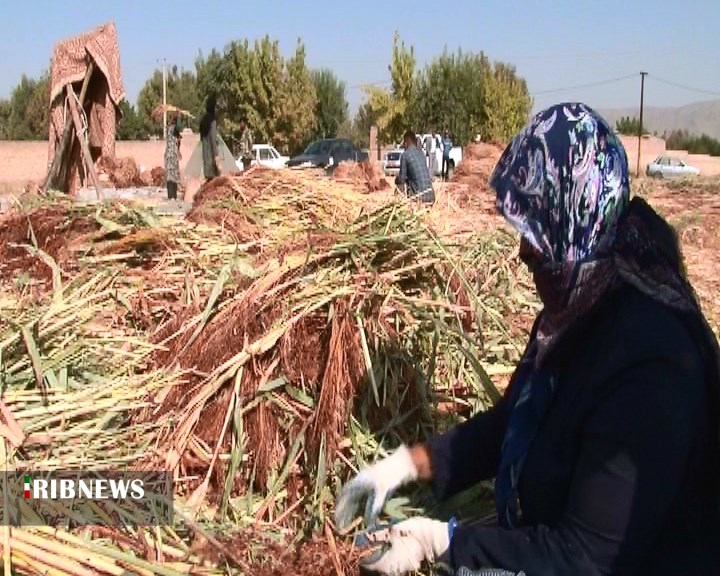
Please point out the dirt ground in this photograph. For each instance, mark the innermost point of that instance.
(693, 208)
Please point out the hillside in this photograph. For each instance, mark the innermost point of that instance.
(697, 118)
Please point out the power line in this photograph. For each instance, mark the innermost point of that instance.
(575, 87)
(688, 88)
(582, 55)
(376, 83)
(539, 93)
(582, 86)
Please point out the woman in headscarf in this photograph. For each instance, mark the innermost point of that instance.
(210, 140)
(604, 447)
(172, 155)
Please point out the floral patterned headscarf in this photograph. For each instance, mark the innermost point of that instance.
(563, 183)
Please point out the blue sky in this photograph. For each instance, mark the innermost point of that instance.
(555, 44)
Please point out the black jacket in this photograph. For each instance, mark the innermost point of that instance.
(623, 477)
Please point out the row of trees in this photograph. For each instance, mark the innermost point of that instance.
(629, 126)
(24, 115)
(464, 93)
(682, 140)
(286, 103)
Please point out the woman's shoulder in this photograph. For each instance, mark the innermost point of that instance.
(630, 328)
(643, 318)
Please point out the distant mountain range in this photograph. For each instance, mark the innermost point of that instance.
(697, 118)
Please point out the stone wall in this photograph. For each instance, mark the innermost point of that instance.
(23, 162)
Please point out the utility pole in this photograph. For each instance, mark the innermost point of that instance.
(640, 128)
(164, 69)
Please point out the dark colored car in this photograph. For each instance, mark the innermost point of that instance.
(327, 153)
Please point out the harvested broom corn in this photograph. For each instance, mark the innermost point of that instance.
(263, 368)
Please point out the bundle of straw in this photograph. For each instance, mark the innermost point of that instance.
(361, 327)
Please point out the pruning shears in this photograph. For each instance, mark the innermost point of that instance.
(364, 540)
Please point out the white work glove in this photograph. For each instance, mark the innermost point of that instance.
(375, 482)
(410, 544)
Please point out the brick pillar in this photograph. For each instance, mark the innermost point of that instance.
(374, 149)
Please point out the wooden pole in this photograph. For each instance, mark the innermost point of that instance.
(83, 144)
(66, 141)
(640, 127)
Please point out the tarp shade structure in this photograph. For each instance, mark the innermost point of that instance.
(70, 61)
(194, 166)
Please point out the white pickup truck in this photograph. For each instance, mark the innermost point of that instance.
(265, 155)
(436, 168)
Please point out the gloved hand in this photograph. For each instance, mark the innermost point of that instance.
(374, 482)
(410, 544)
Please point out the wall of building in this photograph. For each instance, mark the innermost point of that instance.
(23, 162)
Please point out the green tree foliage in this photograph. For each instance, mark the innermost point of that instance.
(392, 109)
(207, 74)
(331, 110)
(5, 111)
(450, 94)
(507, 103)
(628, 126)
(275, 96)
(131, 125)
(683, 140)
(297, 108)
(248, 84)
(463, 92)
(182, 91)
(24, 116)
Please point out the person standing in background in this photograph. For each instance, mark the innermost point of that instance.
(446, 147)
(209, 140)
(172, 156)
(246, 144)
(429, 153)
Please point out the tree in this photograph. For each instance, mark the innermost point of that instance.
(207, 74)
(450, 94)
(463, 93)
(181, 91)
(131, 125)
(37, 112)
(683, 140)
(249, 86)
(276, 97)
(507, 103)
(628, 126)
(391, 108)
(5, 110)
(297, 109)
(331, 110)
(25, 115)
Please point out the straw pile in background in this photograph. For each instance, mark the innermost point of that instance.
(469, 183)
(121, 172)
(367, 174)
